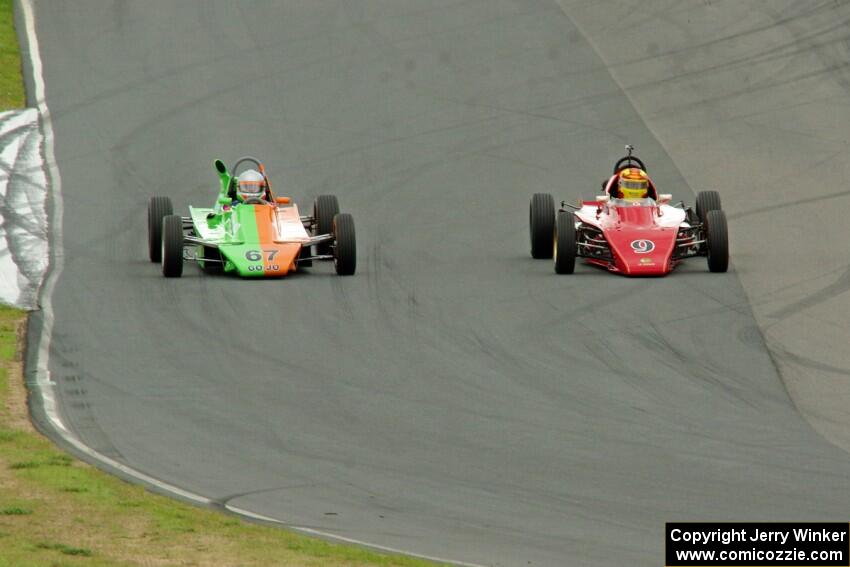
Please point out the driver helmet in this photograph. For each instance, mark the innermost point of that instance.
(251, 185)
(633, 184)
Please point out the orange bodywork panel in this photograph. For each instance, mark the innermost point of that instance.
(278, 258)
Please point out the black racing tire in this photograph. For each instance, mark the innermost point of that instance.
(345, 245)
(306, 252)
(172, 246)
(717, 241)
(325, 208)
(541, 221)
(707, 201)
(564, 249)
(158, 207)
(212, 254)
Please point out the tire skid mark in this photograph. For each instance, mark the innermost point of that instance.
(839, 286)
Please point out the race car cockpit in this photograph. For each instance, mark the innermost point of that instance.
(249, 187)
(630, 180)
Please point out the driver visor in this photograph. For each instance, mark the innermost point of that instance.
(251, 188)
(638, 184)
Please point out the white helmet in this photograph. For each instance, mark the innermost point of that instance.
(251, 185)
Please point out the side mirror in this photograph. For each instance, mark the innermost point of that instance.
(602, 199)
(664, 198)
(220, 167)
(224, 200)
(282, 200)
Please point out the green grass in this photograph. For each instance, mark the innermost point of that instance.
(11, 82)
(65, 549)
(56, 511)
(15, 511)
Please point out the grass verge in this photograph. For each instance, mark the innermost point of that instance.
(11, 81)
(58, 512)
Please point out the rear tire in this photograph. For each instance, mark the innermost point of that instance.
(325, 208)
(541, 219)
(564, 249)
(717, 241)
(345, 248)
(158, 207)
(707, 201)
(172, 246)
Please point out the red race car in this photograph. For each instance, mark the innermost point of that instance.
(630, 229)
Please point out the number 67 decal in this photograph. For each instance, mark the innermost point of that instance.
(256, 255)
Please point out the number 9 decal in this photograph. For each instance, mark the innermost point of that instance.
(642, 246)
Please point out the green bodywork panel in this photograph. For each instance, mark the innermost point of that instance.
(246, 235)
(234, 230)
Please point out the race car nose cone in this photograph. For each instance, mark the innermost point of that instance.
(643, 252)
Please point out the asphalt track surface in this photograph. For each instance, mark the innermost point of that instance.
(455, 398)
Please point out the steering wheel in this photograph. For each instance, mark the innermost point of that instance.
(628, 161)
(253, 201)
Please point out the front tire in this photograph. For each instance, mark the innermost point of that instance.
(345, 248)
(325, 208)
(172, 246)
(564, 249)
(541, 220)
(717, 241)
(158, 207)
(707, 201)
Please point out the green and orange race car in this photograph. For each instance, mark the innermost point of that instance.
(249, 231)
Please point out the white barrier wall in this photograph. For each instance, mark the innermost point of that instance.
(23, 218)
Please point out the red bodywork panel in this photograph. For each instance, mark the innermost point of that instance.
(641, 235)
(639, 245)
